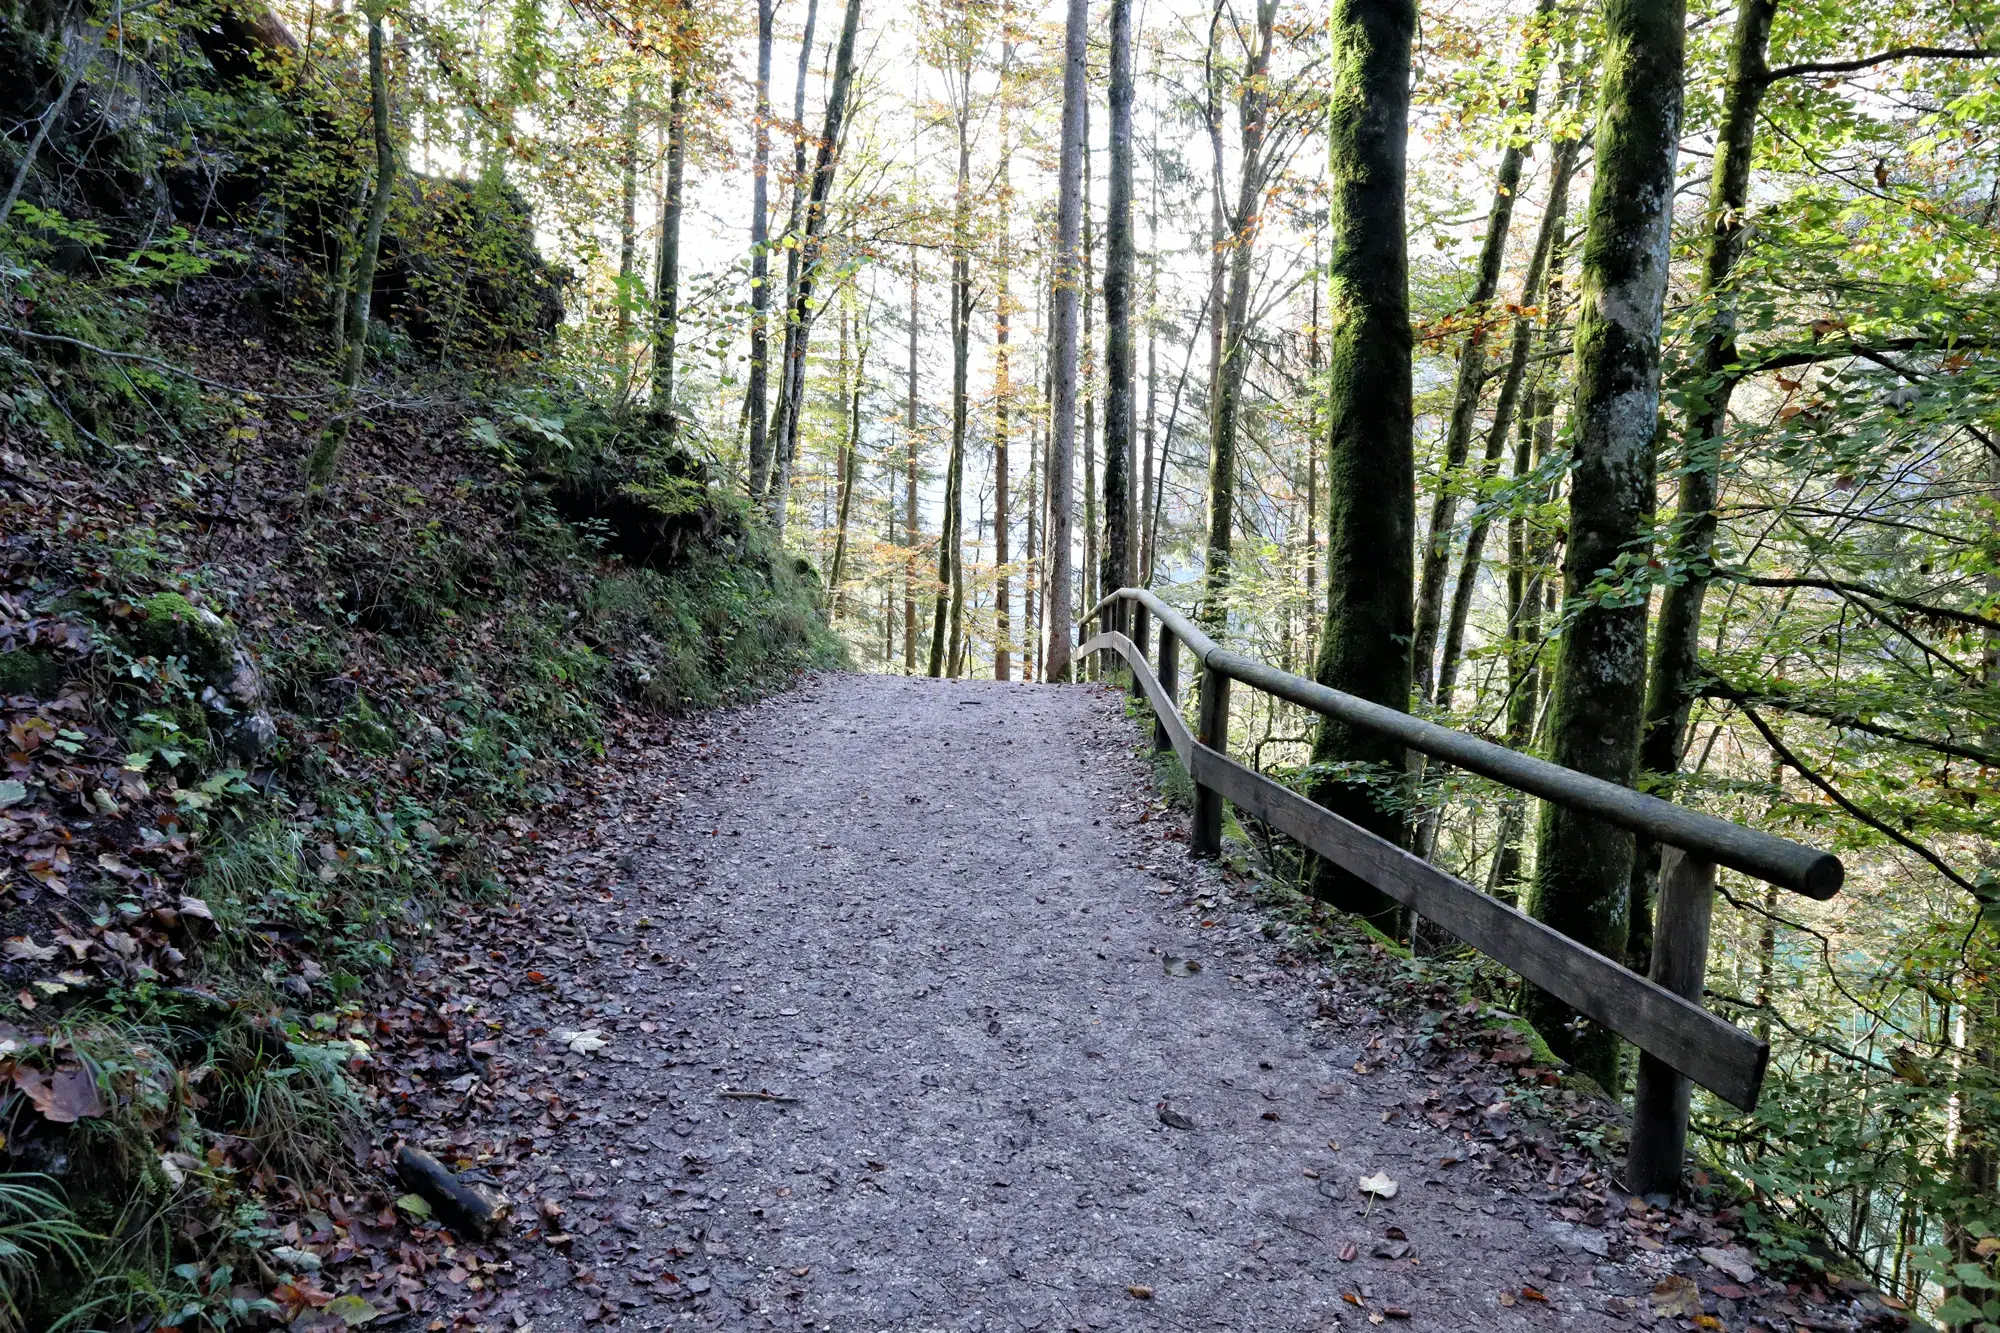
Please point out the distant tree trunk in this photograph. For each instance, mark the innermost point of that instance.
(1370, 482)
(628, 242)
(1471, 378)
(667, 288)
(1118, 266)
(910, 491)
(1146, 531)
(949, 611)
(1003, 625)
(326, 454)
(1524, 633)
(1676, 660)
(755, 395)
(1244, 222)
(1503, 417)
(1583, 868)
(760, 481)
(799, 319)
(1087, 576)
(850, 453)
(1063, 345)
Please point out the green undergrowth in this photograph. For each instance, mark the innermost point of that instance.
(271, 765)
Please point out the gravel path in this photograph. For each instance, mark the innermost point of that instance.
(945, 927)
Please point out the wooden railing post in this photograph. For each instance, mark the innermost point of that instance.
(1169, 674)
(1660, 1102)
(1141, 631)
(1212, 730)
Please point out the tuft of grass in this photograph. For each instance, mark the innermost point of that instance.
(36, 1227)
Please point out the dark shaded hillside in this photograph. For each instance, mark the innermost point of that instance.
(261, 741)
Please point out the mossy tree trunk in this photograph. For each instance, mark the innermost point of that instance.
(1675, 666)
(1370, 483)
(1583, 867)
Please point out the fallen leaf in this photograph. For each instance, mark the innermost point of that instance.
(1395, 1312)
(1171, 1118)
(23, 949)
(12, 792)
(1379, 1185)
(1507, 1298)
(62, 1098)
(1348, 1252)
(415, 1205)
(1733, 1262)
(587, 1042)
(1139, 1293)
(293, 1260)
(351, 1310)
(1532, 1294)
(1675, 1295)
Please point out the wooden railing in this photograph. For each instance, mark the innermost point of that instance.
(1680, 1042)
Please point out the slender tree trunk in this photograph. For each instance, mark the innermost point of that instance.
(1547, 243)
(1370, 482)
(1003, 389)
(949, 610)
(910, 491)
(1471, 378)
(1147, 531)
(628, 243)
(1063, 345)
(755, 406)
(1675, 663)
(667, 289)
(760, 481)
(1087, 576)
(1583, 868)
(799, 319)
(1253, 105)
(326, 454)
(1118, 265)
(850, 454)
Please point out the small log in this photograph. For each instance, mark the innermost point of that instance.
(471, 1210)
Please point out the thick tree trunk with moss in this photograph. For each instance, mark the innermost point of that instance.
(326, 454)
(1371, 484)
(1466, 391)
(1582, 867)
(1675, 666)
(1063, 342)
(1118, 265)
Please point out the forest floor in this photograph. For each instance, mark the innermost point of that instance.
(898, 1004)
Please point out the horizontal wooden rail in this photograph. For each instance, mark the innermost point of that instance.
(1680, 1041)
(1761, 855)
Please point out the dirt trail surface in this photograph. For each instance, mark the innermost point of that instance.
(901, 1032)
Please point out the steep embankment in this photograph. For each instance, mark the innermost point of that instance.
(260, 742)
